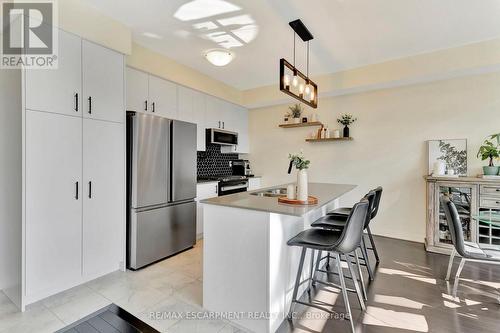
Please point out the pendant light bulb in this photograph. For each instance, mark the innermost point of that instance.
(312, 96)
(295, 80)
(286, 81)
(307, 90)
(301, 88)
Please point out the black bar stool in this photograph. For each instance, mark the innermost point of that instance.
(344, 212)
(338, 243)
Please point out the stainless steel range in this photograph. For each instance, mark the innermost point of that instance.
(230, 184)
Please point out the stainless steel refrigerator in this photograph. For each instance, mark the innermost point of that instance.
(161, 171)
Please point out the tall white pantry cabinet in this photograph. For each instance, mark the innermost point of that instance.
(73, 170)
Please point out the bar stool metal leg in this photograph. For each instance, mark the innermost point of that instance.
(318, 261)
(344, 291)
(365, 255)
(373, 244)
(312, 272)
(297, 282)
(356, 284)
(361, 278)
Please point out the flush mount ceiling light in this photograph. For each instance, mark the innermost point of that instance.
(219, 57)
(292, 81)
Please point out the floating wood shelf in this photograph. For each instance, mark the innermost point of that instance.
(330, 139)
(311, 123)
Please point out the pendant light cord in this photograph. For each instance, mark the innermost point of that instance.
(294, 37)
(307, 60)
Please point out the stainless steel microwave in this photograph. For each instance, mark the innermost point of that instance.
(221, 137)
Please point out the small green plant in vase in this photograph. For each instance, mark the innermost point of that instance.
(295, 112)
(302, 165)
(490, 150)
(346, 120)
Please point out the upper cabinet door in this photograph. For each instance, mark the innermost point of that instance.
(243, 146)
(162, 97)
(199, 114)
(103, 196)
(53, 202)
(214, 112)
(137, 90)
(186, 104)
(192, 105)
(58, 90)
(103, 85)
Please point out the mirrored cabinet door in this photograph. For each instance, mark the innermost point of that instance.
(464, 197)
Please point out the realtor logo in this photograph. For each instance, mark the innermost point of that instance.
(29, 37)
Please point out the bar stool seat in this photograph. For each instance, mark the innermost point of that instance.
(340, 212)
(330, 222)
(318, 239)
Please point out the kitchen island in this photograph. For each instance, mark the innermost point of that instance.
(248, 269)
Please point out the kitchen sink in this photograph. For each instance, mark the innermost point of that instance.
(275, 192)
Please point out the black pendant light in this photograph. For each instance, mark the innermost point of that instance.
(292, 81)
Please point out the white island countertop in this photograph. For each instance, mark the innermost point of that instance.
(325, 193)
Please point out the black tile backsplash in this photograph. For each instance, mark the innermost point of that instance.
(213, 163)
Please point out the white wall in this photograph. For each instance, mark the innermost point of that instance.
(389, 146)
(10, 182)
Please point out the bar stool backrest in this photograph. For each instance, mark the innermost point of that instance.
(353, 230)
(378, 195)
(371, 197)
(455, 225)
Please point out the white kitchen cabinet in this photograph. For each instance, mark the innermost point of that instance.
(215, 112)
(162, 97)
(103, 71)
(204, 191)
(238, 122)
(191, 108)
(137, 83)
(254, 183)
(53, 194)
(58, 90)
(103, 196)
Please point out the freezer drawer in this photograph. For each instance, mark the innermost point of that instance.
(161, 232)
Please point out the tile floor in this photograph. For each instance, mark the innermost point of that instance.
(408, 295)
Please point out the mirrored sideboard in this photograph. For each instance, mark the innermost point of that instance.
(473, 197)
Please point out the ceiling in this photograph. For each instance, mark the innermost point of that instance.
(347, 33)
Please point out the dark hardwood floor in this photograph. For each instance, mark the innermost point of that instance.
(409, 294)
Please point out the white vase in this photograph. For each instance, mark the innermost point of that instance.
(296, 120)
(302, 193)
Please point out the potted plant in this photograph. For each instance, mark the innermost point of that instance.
(295, 112)
(346, 120)
(490, 150)
(302, 165)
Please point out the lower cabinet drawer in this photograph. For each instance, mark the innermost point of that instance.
(490, 202)
(490, 190)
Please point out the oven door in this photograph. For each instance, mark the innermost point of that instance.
(234, 186)
(222, 137)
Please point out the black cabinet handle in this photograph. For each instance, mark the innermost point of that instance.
(90, 104)
(223, 125)
(76, 102)
(219, 124)
(146, 105)
(76, 190)
(216, 188)
(498, 189)
(90, 190)
(153, 107)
